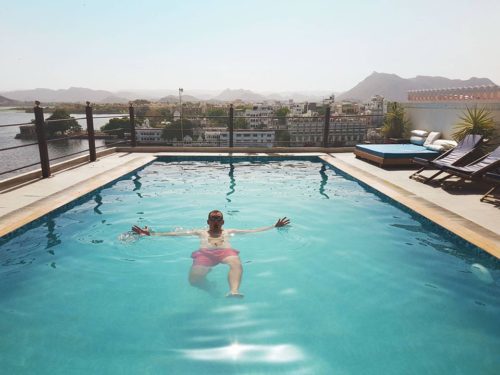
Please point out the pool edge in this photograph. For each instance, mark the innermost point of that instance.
(456, 224)
(31, 212)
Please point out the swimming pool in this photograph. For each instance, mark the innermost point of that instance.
(355, 285)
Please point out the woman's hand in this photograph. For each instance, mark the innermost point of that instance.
(282, 222)
(140, 231)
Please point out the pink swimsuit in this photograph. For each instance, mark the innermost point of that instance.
(211, 257)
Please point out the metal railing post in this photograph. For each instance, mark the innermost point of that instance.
(326, 129)
(231, 125)
(90, 131)
(42, 140)
(132, 125)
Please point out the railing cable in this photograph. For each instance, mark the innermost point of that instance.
(19, 168)
(24, 123)
(20, 146)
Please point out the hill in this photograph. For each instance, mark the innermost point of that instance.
(71, 95)
(229, 95)
(392, 87)
(6, 102)
(114, 99)
(175, 99)
(301, 96)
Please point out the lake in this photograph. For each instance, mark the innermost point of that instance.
(19, 157)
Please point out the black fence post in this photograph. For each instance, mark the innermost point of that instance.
(326, 129)
(231, 125)
(42, 140)
(132, 125)
(90, 132)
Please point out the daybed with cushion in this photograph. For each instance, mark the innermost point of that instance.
(393, 154)
(421, 146)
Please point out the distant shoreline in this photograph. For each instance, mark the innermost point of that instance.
(75, 109)
(97, 135)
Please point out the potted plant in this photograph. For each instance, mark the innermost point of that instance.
(395, 122)
(475, 121)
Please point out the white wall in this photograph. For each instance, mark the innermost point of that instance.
(442, 117)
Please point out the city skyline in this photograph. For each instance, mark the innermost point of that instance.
(315, 46)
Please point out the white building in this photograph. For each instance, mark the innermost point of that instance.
(148, 135)
(376, 105)
(219, 137)
(259, 115)
(296, 109)
(306, 130)
(343, 130)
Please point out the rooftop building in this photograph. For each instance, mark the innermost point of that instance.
(476, 93)
(243, 138)
(259, 116)
(149, 135)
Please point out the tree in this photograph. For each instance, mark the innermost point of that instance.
(475, 121)
(219, 116)
(240, 123)
(283, 138)
(321, 110)
(117, 126)
(395, 123)
(281, 114)
(140, 114)
(166, 114)
(141, 102)
(156, 116)
(65, 122)
(173, 131)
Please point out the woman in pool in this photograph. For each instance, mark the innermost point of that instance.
(214, 249)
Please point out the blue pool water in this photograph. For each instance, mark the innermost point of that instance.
(356, 285)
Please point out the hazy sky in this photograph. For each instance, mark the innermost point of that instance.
(257, 45)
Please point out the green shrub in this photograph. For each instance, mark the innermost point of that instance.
(395, 123)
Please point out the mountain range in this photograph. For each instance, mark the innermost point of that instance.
(390, 86)
(229, 95)
(394, 88)
(175, 99)
(73, 94)
(78, 94)
(5, 102)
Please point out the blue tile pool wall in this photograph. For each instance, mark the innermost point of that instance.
(239, 158)
(470, 251)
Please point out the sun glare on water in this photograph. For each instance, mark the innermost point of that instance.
(247, 353)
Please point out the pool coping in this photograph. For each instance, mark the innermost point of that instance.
(26, 214)
(458, 225)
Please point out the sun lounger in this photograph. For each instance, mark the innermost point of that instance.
(477, 168)
(454, 157)
(494, 178)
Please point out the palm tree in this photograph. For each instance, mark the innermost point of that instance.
(475, 121)
(395, 122)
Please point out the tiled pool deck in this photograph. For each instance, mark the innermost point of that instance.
(462, 214)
